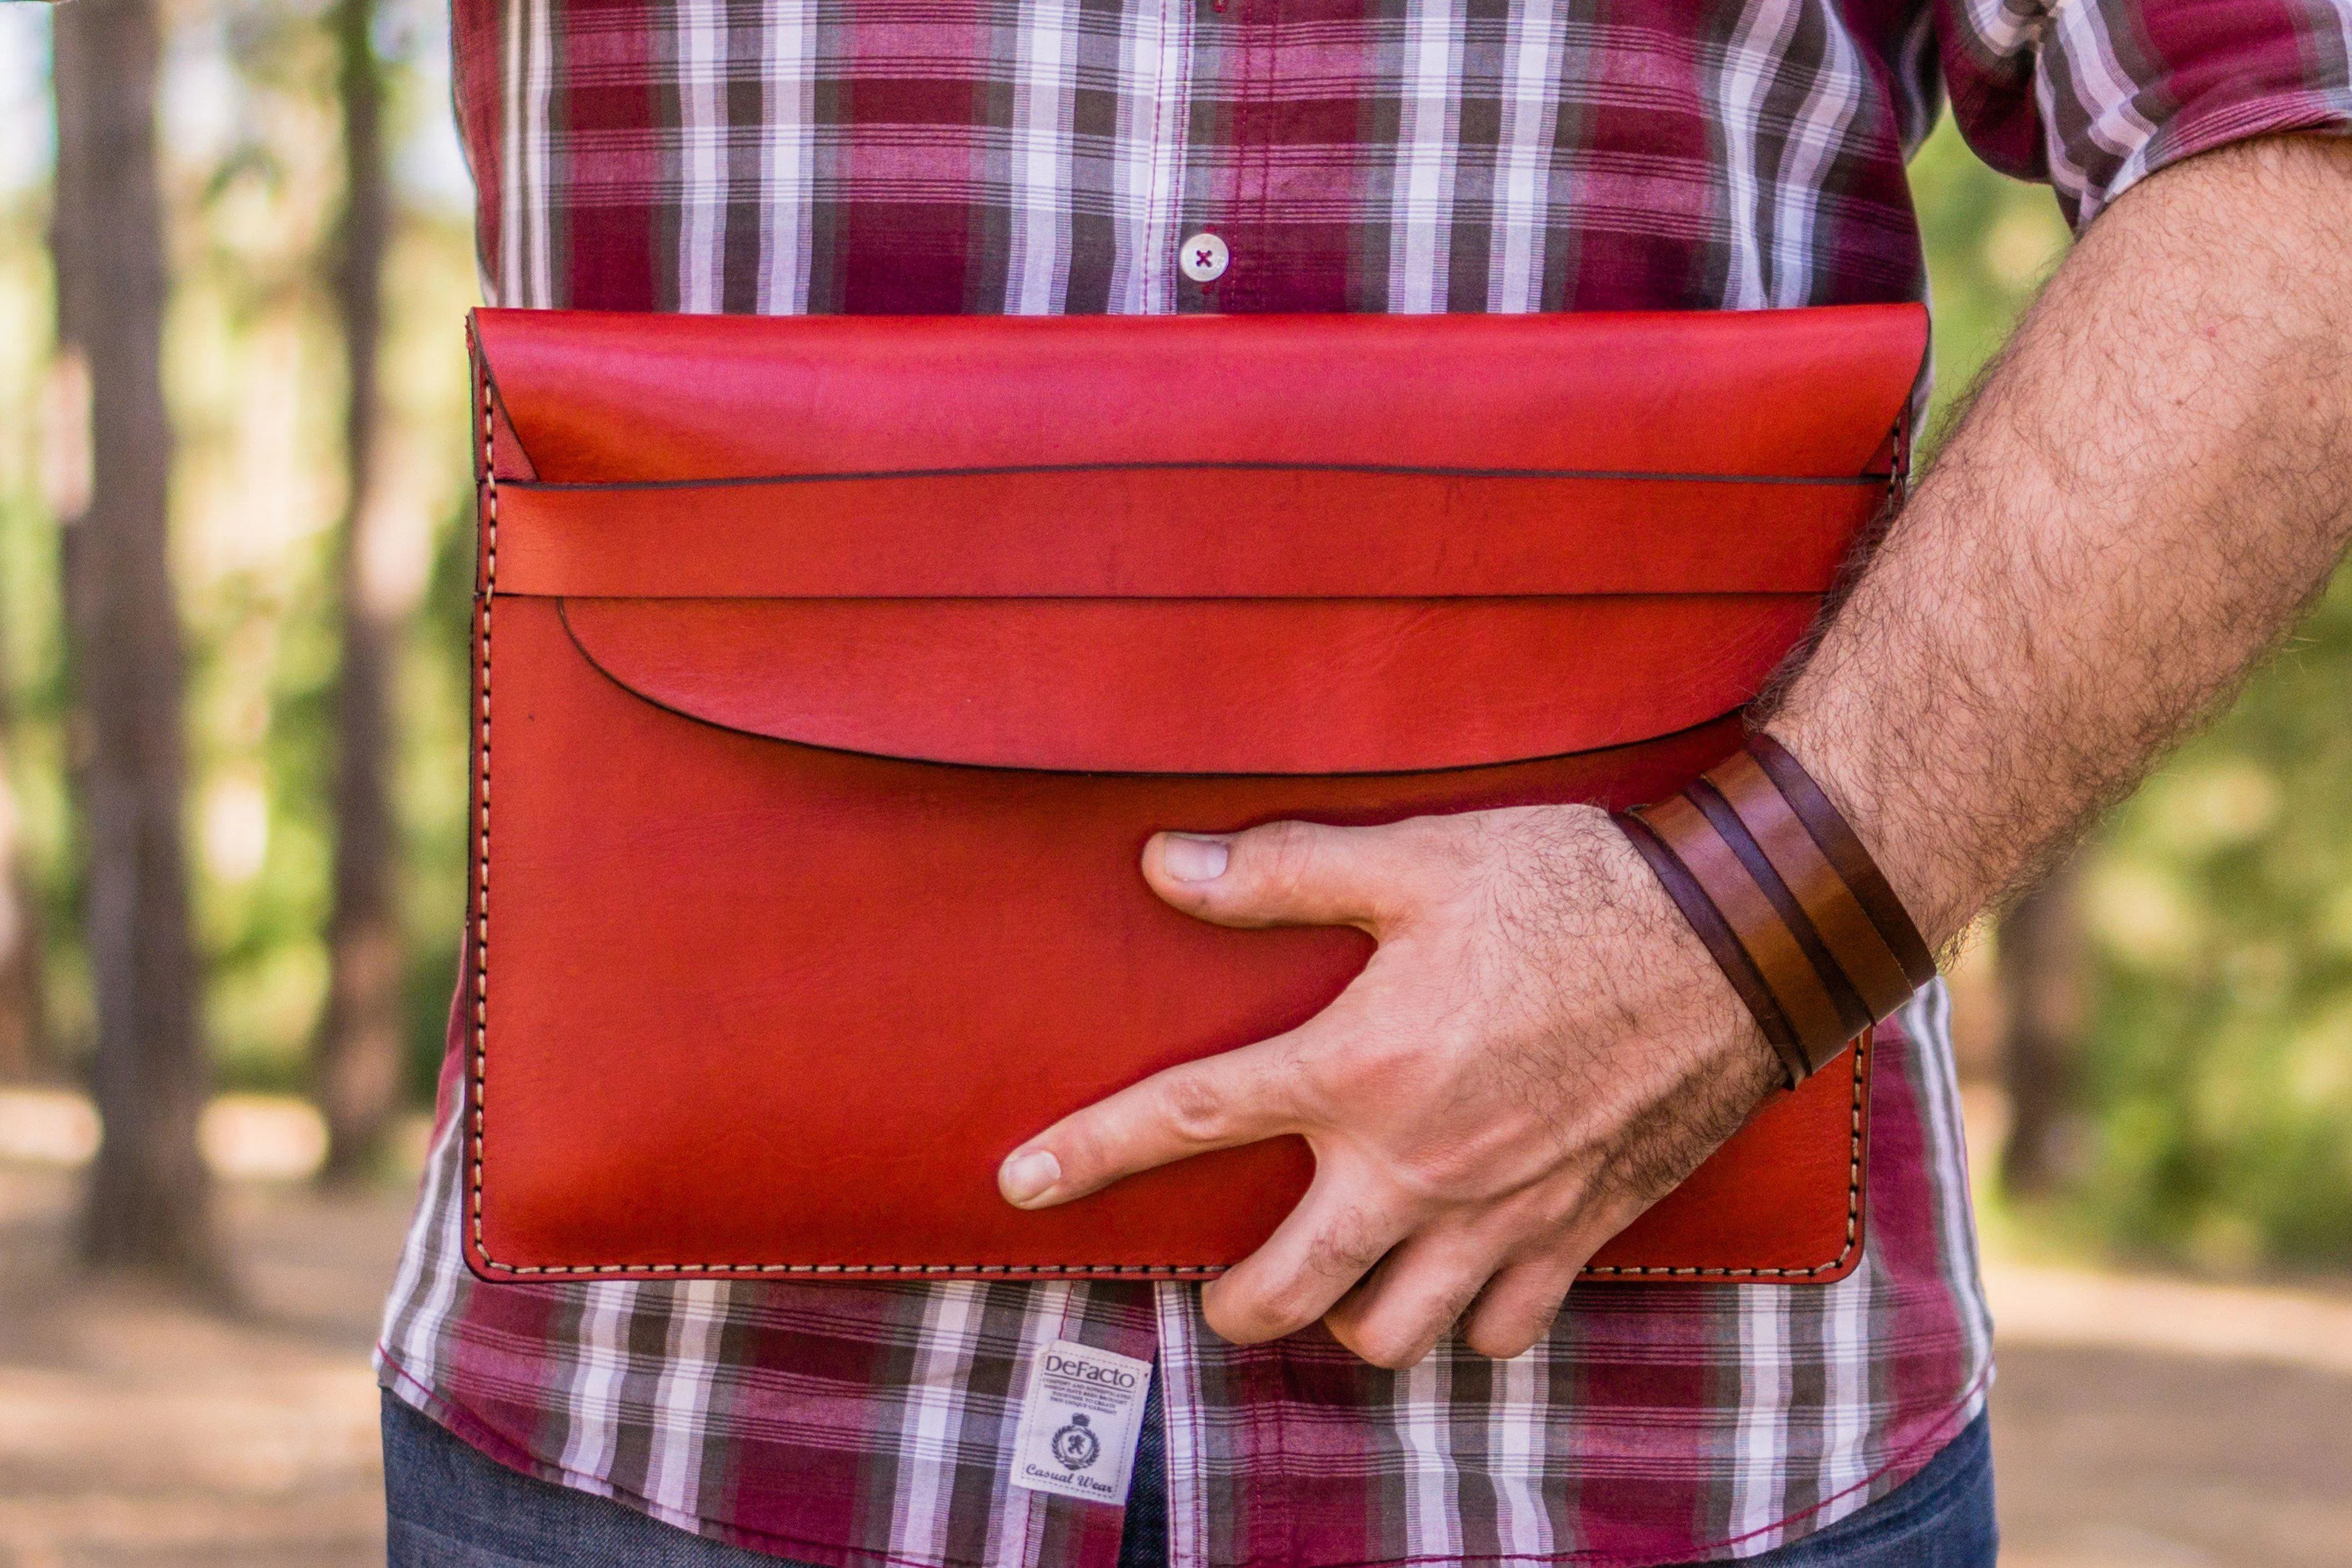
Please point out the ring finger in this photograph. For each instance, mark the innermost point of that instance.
(1406, 1304)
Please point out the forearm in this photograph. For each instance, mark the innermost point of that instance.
(2145, 492)
(1540, 1046)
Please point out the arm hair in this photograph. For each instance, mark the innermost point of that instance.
(2144, 493)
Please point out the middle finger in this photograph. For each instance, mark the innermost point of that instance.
(1322, 1247)
(1418, 1292)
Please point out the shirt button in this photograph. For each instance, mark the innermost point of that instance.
(1203, 258)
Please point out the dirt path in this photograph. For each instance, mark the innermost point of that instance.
(2132, 1429)
(136, 1433)
(2124, 1459)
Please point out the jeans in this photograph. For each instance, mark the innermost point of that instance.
(450, 1507)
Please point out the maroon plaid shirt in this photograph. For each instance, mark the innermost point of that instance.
(1412, 155)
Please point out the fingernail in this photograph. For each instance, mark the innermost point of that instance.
(1191, 858)
(1028, 1177)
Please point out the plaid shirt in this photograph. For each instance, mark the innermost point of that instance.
(1409, 155)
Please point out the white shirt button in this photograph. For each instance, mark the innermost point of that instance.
(1203, 258)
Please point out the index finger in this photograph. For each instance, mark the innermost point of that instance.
(1219, 1101)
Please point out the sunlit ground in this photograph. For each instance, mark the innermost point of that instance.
(2141, 1421)
(134, 1431)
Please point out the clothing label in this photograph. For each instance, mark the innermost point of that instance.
(1079, 1422)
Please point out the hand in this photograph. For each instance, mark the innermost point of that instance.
(1538, 1049)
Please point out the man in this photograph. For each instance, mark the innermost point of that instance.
(2142, 496)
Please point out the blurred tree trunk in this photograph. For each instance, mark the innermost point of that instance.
(148, 1205)
(23, 987)
(24, 996)
(2041, 962)
(359, 1047)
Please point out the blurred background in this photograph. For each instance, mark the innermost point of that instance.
(232, 605)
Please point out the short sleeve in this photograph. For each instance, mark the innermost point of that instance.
(2096, 95)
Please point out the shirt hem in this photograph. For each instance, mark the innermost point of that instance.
(475, 1433)
(470, 1429)
(1912, 1459)
(1909, 1460)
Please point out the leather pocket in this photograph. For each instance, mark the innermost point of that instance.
(805, 882)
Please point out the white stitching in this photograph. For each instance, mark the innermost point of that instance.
(1852, 1200)
(482, 827)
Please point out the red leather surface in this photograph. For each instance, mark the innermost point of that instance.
(771, 978)
(753, 1003)
(1243, 533)
(1178, 685)
(607, 396)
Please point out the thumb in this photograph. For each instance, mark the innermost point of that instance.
(1284, 873)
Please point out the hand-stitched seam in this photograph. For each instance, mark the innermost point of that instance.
(482, 825)
(1853, 1171)
(958, 1270)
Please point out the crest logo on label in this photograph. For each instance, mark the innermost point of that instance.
(1080, 1420)
(1075, 1445)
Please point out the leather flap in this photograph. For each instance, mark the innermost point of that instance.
(614, 398)
(1185, 545)
(1236, 686)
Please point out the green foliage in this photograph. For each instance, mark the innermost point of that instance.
(255, 378)
(2218, 1071)
(1990, 243)
(436, 702)
(2221, 905)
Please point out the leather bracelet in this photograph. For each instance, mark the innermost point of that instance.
(1837, 840)
(1787, 901)
(1720, 943)
(1880, 978)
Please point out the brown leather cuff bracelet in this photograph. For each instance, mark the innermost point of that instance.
(1787, 900)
